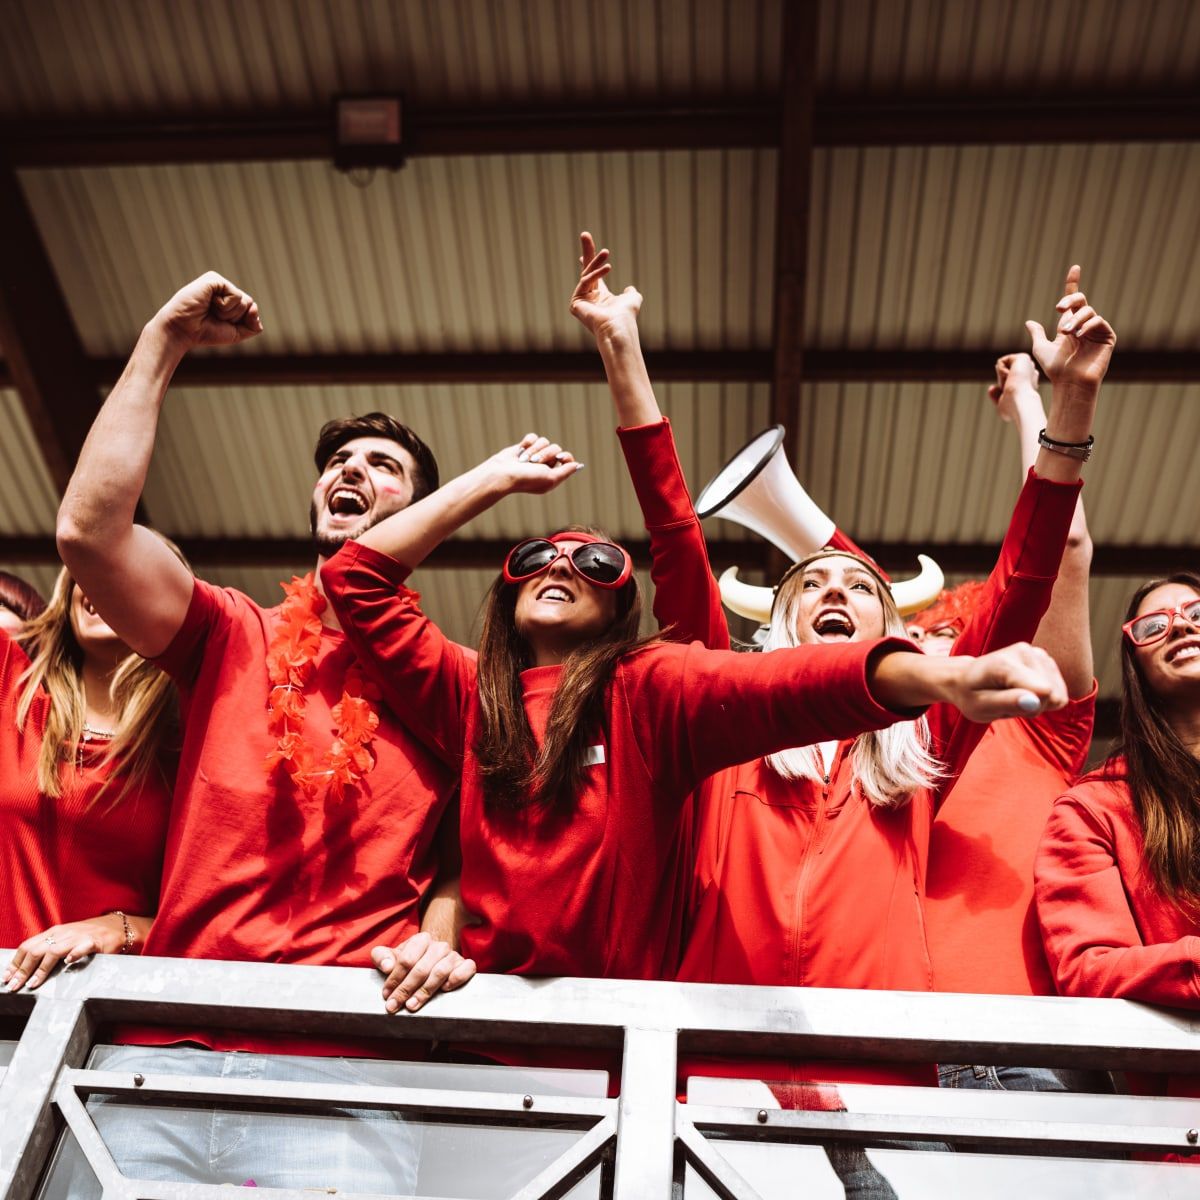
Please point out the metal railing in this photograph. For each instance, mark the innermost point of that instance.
(642, 1143)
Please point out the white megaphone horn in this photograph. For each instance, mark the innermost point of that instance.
(758, 489)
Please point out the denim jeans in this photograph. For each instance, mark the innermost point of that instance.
(1023, 1079)
(360, 1150)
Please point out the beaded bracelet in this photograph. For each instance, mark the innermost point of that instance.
(128, 946)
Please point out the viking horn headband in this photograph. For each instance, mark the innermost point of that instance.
(910, 595)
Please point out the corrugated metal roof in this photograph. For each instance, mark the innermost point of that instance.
(951, 247)
(238, 463)
(1006, 45)
(449, 254)
(28, 502)
(67, 57)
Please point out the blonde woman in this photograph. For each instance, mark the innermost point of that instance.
(85, 792)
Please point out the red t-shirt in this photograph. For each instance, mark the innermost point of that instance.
(983, 932)
(83, 854)
(254, 870)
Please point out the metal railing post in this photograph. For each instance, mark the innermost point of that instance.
(56, 1031)
(646, 1116)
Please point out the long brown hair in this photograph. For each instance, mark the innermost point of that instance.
(143, 695)
(1162, 773)
(515, 774)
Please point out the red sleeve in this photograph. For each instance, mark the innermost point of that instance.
(1090, 934)
(426, 678)
(1064, 737)
(699, 710)
(1012, 604)
(210, 609)
(686, 597)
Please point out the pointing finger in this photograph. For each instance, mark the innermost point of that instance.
(1072, 284)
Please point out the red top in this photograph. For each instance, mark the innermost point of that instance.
(803, 884)
(1107, 929)
(256, 872)
(78, 856)
(581, 892)
(983, 931)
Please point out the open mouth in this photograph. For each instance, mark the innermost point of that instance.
(86, 605)
(556, 595)
(347, 502)
(833, 626)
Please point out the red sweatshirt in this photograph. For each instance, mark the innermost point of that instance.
(580, 892)
(83, 854)
(807, 884)
(1107, 929)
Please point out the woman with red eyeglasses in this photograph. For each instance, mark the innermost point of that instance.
(579, 741)
(1118, 870)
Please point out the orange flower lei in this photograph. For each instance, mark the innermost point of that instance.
(291, 657)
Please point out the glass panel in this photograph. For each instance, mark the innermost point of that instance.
(339, 1148)
(785, 1172)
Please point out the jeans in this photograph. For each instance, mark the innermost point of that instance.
(360, 1150)
(1023, 1079)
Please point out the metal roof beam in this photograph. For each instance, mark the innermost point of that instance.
(798, 67)
(666, 366)
(44, 357)
(689, 123)
(955, 558)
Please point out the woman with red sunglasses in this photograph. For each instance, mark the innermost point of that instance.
(1118, 870)
(579, 741)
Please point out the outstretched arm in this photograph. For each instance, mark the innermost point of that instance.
(1065, 632)
(686, 599)
(135, 582)
(534, 464)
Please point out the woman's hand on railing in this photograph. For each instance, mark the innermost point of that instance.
(38, 955)
(418, 969)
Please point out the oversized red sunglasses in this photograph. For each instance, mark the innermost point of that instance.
(1153, 626)
(603, 564)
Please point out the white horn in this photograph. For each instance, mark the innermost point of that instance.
(757, 489)
(912, 595)
(746, 599)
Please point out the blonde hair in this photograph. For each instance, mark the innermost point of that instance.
(890, 764)
(142, 694)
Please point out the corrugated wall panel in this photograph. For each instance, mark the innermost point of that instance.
(62, 56)
(1014, 45)
(449, 254)
(237, 463)
(945, 247)
(28, 501)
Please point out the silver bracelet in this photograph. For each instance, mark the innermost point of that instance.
(1079, 450)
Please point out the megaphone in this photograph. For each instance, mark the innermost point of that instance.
(757, 488)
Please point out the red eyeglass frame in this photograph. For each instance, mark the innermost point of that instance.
(585, 541)
(1169, 613)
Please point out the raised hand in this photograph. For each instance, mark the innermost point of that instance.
(1083, 342)
(418, 969)
(592, 303)
(535, 464)
(1016, 377)
(209, 311)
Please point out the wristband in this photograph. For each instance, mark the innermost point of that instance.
(1079, 450)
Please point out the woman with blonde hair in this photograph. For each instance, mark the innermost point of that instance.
(85, 727)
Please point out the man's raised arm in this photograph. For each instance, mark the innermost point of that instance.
(134, 581)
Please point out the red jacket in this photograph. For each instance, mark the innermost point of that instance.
(586, 891)
(804, 884)
(1106, 927)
